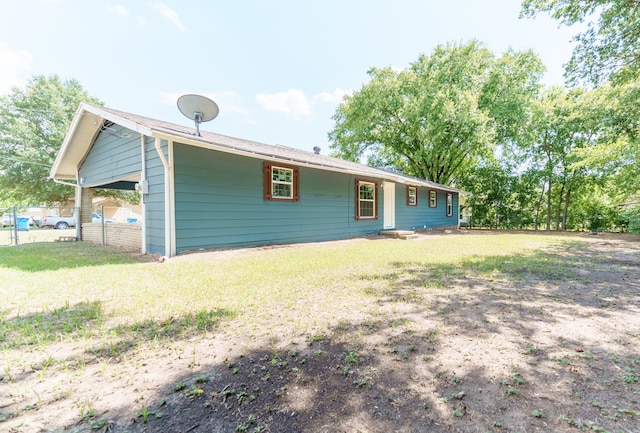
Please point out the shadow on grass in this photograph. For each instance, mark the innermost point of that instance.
(341, 382)
(64, 255)
(85, 322)
(46, 327)
(184, 326)
(564, 276)
(429, 363)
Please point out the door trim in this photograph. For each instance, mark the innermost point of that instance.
(389, 211)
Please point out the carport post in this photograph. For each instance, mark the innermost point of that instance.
(102, 223)
(77, 211)
(15, 225)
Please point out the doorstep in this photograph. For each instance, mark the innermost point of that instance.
(400, 234)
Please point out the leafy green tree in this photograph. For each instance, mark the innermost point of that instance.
(597, 210)
(608, 49)
(440, 116)
(33, 123)
(632, 215)
(607, 54)
(564, 122)
(615, 153)
(502, 195)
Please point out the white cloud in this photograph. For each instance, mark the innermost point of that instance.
(118, 10)
(333, 97)
(14, 64)
(171, 15)
(293, 102)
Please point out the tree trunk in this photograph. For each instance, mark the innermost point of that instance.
(559, 207)
(537, 218)
(566, 209)
(549, 206)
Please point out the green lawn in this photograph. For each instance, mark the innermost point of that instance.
(467, 331)
(317, 284)
(33, 235)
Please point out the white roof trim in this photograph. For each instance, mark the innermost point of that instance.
(82, 131)
(85, 126)
(379, 174)
(122, 121)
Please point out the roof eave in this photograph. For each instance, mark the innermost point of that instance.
(89, 118)
(391, 177)
(84, 127)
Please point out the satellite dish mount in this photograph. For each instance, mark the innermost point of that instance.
(198, 108)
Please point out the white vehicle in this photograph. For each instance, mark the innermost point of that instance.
(7, 219)
(95, 218)
(58, 222)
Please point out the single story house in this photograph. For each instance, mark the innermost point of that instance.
(214, 191)
(116, 209)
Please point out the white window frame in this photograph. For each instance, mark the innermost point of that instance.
(269, 183)
(414, 196)
(279, 182)
(449, 204)
(374, 200)
(434, 203)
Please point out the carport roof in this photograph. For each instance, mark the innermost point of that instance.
(89, 119)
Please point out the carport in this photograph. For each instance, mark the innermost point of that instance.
(87, 162)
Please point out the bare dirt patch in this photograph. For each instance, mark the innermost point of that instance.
(546, 342)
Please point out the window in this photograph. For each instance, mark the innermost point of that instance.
(412, 196)
(366, 200)
(449, 204)
(433, 198)
(281, 182)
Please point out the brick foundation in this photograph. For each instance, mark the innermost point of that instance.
(127, 236)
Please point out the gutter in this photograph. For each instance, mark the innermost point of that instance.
(143, 198)
(62, 182)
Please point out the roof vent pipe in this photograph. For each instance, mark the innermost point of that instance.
(316, 150)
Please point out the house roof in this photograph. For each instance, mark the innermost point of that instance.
(89, 119)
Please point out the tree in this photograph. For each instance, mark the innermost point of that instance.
(441, 115)
(33, 123)
(632, 214)
(615, 153)
(606, 50)
(564, 123)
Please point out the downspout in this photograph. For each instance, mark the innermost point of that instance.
(167, 198)
(62, 182)
(76, 211)
(458, 211)
(172, 201)
(143, 207)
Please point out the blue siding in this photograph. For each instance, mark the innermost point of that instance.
(154, 201)
(422, 216)
(219, 198)
(219, 202)
(113, 156)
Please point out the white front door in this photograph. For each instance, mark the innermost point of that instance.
(389, 217)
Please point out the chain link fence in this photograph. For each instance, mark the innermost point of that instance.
(20, 225)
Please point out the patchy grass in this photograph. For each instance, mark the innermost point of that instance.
(467, 332)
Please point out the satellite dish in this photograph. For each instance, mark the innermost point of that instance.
(198, 108)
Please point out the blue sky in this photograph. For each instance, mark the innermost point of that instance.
(276, 68)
